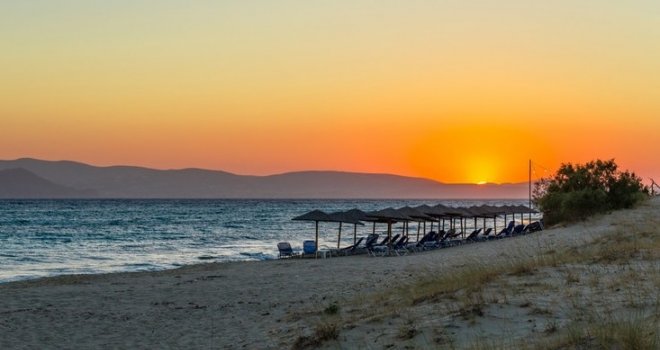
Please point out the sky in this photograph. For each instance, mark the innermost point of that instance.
(456, 91)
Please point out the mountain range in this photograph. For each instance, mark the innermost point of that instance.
(33, 178)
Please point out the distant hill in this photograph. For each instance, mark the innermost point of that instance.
(20, 183)
(137, 182)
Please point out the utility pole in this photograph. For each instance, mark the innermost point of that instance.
(530, 190)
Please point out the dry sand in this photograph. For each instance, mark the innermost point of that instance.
(271, 304)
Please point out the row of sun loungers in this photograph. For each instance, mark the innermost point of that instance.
(400, 245)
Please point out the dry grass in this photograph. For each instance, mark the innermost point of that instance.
(628, 332)
(323, 332)
(617, 269)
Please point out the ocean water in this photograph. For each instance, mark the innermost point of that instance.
(54, 237)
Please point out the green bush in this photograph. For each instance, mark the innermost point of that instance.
(579, 191)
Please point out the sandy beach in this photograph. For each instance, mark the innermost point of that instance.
(540, 289)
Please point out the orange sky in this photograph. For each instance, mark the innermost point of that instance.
(451, 90)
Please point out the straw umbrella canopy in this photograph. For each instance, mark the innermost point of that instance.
(316, 216)
(452, 213)
(425, 208)
(415, 215)
(437, 211)
(353, 216)
(479, 212)
(488, 212)
(440, 210)
(389, 216)
(523, 209)
(508, 209)
(462, 213)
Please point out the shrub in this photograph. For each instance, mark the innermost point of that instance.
(578, 191)
(323, 332)
(332, 309)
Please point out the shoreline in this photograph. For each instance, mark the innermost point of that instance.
(276, 303)
(46, 240)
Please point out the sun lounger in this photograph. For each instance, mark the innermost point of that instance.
(452, 238)
(440, 240)
(472, 237)
(284, 249)
(420, 244)
(506, 231)
(371, 240)
(351, 249)
(309, 247)
(484, 236)
(384, 246)
(400, 246)
(533, 227)
(386, 240)
(518, 230)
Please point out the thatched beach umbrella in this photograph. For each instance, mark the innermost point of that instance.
(439, 212)
(316, 216)
(463, 214)
(522, 209)
(415, 215)
(388, 216)
(477, 212)
(353, 216)
(424, 208)
(489, 212)
(457, 213)
(506, 210)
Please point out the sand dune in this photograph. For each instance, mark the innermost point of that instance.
(287, 303)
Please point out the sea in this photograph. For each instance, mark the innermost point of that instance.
(40, 238)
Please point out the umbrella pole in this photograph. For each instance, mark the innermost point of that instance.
(374, 228)
(484, 223)
(354, 233)
(495, 223)
(339, 236)
(419, 225)
(404, 229)
(431, 225)
(389, 236)
(443, 224)
(316, 241)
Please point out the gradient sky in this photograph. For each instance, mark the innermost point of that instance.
(457, 91)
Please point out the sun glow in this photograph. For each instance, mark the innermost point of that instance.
(481, 183)
(269, 90)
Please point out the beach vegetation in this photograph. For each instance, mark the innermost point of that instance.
(408, 330)
(324, 331)
(331, 309)
(601, 291)
(577, 191)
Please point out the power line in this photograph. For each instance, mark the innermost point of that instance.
(539, 174)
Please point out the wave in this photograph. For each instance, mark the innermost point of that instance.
(257, 255)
